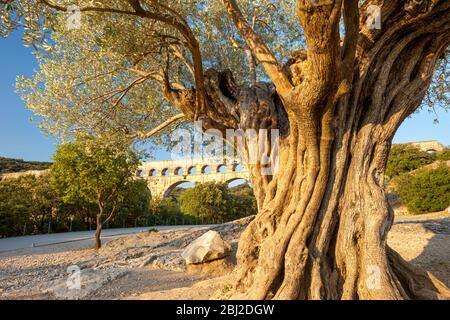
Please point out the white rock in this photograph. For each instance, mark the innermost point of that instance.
(208, 247)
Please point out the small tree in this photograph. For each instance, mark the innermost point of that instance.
(97, 170)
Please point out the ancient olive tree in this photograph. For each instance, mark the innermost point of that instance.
(335, 80)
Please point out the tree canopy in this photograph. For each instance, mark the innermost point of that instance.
(97, 171)
(93, 169)
(107, 74)
(115, 73)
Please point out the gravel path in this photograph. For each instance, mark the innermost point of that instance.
(152, 256)
(149, 266)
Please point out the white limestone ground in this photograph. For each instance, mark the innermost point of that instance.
(150, 266)
(42, 272)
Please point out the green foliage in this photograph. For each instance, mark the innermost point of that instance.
(168, 207)
(425, 191)
(207, 201)
(135, 205)
(26, 205)
(96, 170)
(167, 212)
(244, 201)
(8, 165)
(405, 158)
(29, 204)
(444, 155)
(214, 202)
(438, 94)
(83, 72)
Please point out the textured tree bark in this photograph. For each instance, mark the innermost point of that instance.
(333, 244)
(100, 223)
(98, 230)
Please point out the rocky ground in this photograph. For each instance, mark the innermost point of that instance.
(149, 265)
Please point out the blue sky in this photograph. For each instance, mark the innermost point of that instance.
(20, 138)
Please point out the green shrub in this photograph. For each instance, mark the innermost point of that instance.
(167, 212)
(426, 191)
(444, 155)
(208, 201)
(213, 202)
(405, 158)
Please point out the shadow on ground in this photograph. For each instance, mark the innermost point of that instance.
(435, 255)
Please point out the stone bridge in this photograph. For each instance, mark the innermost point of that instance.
(164, 176)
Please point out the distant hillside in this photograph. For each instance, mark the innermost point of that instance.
(8, 165)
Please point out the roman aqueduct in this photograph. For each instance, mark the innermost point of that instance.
(164, 176)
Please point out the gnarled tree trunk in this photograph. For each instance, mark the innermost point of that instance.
(323, 215)
(321, 230)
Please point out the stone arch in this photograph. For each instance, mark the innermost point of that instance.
(221, 168)
(192, 170)
(237, 167)
(179, 171)
(229, 181)
(235, 179)
(161, 174)
(206, 169)
(139, 173)
(170, 188)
